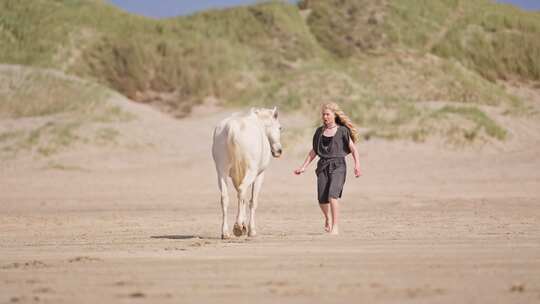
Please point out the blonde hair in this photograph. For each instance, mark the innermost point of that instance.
(342, 119)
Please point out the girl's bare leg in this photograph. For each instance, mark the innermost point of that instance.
(335, 215)
(325, 208)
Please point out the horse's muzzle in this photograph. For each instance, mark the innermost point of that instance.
(277, 153)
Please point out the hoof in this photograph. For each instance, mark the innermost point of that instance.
(225, 236)
(252, 233)
(238, 230)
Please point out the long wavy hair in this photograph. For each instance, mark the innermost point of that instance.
(342, 119)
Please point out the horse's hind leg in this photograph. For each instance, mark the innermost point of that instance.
(222, 183)
(254, 203)
(240, 226)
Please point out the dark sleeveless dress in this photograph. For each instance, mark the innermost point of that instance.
(331, 167)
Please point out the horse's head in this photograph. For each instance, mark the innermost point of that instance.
(272, 127)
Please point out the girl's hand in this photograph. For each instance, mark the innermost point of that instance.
(299, 171)
(357, 172)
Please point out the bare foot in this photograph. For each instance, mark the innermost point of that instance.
(327, 227)
(335, 230)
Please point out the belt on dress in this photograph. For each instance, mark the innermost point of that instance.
(324, 163)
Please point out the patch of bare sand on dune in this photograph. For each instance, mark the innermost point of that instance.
(148, 134)
(526, 129)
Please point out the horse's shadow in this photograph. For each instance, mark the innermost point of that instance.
(183, 237)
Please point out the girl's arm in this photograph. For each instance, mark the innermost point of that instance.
(309, 158)
(354, 152)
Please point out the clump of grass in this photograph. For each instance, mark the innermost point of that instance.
(498, 41)
(347, 27)
(9, 135)
(56, 107)
(413, 24)
(457, 125)
(63, 167)
(28, 93)
(107, 136)
(56, 136)
(47, 139)
(111, 113)
(385, 118)
(481, 121)
(418, 77)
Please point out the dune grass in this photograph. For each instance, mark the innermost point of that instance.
(27, 93)
(174, 62)
(383, 60)
(481, 121)
(391, 96)
(498, 41)
(53, 108)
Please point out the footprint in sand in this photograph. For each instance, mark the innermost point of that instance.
(517, 287)
(30, 264)
(43, 290)
(174, 249)
(200, 243)
(137, 295)
(23, 299)
(84, 259)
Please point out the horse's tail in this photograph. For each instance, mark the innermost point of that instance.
(236, 157)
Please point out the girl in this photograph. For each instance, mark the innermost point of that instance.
(332, 142)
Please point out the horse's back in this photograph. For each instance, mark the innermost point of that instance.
(228, 140)
(237, 146)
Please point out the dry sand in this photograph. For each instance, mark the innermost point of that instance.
(423, 224)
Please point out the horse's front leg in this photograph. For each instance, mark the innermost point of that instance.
(254, 203)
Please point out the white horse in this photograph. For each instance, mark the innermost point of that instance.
(242, 149)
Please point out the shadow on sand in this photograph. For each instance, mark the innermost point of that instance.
(175, 237)
(183, 237)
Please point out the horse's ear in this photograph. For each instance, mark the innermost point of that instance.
(275, 112)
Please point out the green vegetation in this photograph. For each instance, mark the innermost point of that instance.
(54, 108)
(499, 43)
(481, 122)
(385, 61)
(58, 166)
(28, 93)
(174, 62)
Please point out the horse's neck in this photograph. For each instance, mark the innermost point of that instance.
(258, 122)
(260, 125)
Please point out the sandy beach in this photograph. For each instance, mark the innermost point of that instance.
(424, 224)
